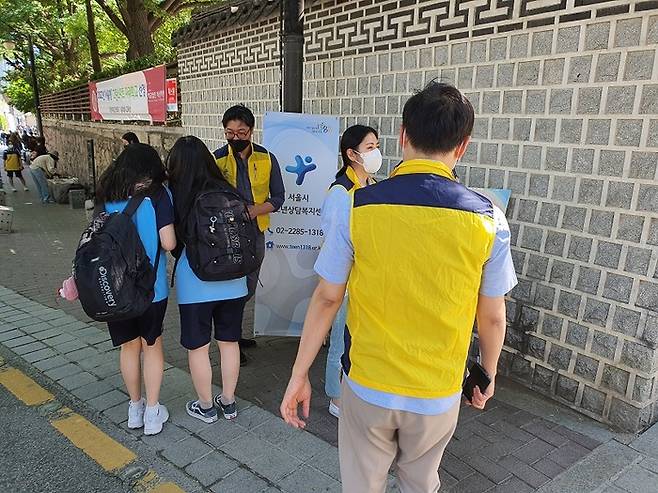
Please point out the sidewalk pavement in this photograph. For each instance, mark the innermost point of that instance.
(522, 442)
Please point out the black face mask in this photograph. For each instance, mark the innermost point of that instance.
(238, 145)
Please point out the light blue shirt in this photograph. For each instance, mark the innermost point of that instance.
(190, 289)
(148, 227)
(334, 264)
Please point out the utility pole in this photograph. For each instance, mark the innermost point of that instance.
(292, 38)
(35, 86)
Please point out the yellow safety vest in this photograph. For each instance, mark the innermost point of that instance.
(420, 244)
(259, 167)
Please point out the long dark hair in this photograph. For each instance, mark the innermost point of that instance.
(130, 137)
(351, 139)
(137, 168)
(191, 167)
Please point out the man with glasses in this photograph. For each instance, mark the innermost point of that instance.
(255, 172)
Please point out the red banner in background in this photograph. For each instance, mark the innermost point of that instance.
(172, 95)
(134, 96)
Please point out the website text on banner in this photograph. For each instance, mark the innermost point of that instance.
(306, 147)
(135, 96)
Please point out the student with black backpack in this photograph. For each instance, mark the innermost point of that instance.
(217, 250)
(132, 285)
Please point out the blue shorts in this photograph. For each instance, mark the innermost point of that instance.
(197, 319)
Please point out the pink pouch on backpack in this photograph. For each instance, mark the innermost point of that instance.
(69, 290)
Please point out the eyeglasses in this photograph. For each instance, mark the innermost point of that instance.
(240, 134)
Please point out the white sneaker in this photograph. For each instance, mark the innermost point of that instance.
(13, 189)
(136, 414)
(334, 410)
(25, 189)
(154, 418)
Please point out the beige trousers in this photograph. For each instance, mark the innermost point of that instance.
(370, 438)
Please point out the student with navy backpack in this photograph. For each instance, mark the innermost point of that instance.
(217, 249)
(132, 185)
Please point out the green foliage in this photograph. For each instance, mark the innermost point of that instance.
(4, 125)
(19, 94)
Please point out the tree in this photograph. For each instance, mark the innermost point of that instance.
(139, 19)
(93, 41)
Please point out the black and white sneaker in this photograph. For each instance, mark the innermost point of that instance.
(230, 411)
(206, 415)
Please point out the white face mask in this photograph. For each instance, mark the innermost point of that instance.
(372, 160)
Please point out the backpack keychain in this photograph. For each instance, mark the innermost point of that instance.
(213, 220)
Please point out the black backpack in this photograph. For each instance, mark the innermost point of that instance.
(219, 236)
(112, 271)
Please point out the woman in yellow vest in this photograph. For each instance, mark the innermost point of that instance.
(255, 172)
(13, 164)
(359, 149)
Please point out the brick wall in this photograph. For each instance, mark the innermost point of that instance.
(567, 117)
(240, 65)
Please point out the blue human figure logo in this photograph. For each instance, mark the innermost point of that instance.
(301, 168)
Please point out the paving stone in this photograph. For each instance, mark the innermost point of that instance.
(77, 380)
(50, 363)
(476, 483)
(548, 467)
(186, 451)
(569, 454)
(63, 371)
(274, 466)
(119, 414)
(240, 481)
(309, 480)
(169, 435)
(94, 389)
(246, 447)
(303, 446)
(83, 353)
(22, 340)
(329, 464)
(533, 451)
(47, 335)
(25, 349)
(69, 347)
(39, 355)
(211, 468)
(222, 432)
(108, 400)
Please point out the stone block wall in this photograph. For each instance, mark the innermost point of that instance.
(240, 65)
(69, 138)
(566, 99)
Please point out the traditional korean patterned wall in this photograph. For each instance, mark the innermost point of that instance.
(566, 96)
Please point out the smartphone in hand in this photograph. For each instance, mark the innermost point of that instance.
(477, 376)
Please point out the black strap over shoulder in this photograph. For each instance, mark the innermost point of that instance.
(133, 204)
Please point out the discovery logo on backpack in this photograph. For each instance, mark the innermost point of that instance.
(112, 271)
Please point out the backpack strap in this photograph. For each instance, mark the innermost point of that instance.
(173, 272)
(133, 204)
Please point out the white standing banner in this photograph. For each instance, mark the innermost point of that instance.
(306, 147)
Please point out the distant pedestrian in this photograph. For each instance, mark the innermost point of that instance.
(42, 166)
(425, 256)
(203, 304)
(12, 160)
(255, 172)
(139, 169)
(129, 138)
(359, 149)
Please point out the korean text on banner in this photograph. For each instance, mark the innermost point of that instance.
(135, 96)
(172, 95)
(306, 147)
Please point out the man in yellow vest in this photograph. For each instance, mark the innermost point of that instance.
(255, 172)
(425, 257)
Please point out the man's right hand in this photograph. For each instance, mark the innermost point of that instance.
(298, 392)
